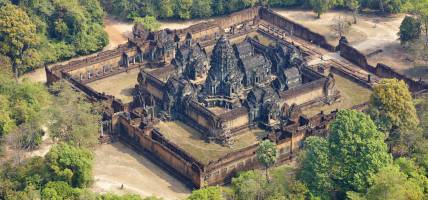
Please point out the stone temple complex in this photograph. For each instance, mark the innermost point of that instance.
(197, 101)
(234, 87)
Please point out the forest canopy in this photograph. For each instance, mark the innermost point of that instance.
(52, 30)
(186, 9)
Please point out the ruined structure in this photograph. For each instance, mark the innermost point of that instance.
(219, 88)
(239, 79)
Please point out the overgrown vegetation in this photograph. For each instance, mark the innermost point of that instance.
(33, 33)
(414, 30)
(64, 173)
(23, 113)
(187, 9)
(27, 110)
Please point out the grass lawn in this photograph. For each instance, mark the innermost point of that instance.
(262, 38)
(192, 141)
(119, 86)
(351, 94)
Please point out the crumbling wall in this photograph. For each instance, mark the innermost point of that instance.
(351, 76)
(238, 17)
(52, 76)
(355, 56)
(104, 56)
(236, 119)
(177, 160)
(182, 164)
(222, 170)
(381, 70)
(385, 71)
(204, 118)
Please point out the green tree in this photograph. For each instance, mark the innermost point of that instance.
(393, 110)
(248, 185)
(218, 7)
(21, 103)
(319, 6)
(183, 9)
(315, 166)
(357, 150)
(420, 9)
(76, 122)
(17, 38)
(201, 9)
(420, 151)
(410, 29)
(354, 5)
(70, 164)
(267, 155)
(28, 175)
(166, 8)
(27, 136)
(28, 100)
(59, 190)
(413, 172)
(63, 29)
(208, 193)
(392, 106)
(390, 183)
(6, 122)
(149, 23)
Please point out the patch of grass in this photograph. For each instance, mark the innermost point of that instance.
(351, 94)
(119, 86)
(261, 38)
(192, 141)
(281, 173)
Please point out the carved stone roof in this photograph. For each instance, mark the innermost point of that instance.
(163, 39)
(259, 95)
(254, 63)
(293, 77)
(244, 50)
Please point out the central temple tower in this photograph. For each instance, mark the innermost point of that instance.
(224, 77)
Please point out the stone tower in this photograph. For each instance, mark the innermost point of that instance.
(224, 77)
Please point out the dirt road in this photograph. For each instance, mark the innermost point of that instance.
(116, 164)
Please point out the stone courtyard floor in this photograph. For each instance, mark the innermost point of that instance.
(116, 164)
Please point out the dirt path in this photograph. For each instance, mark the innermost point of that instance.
(116, 164)
(117, 31)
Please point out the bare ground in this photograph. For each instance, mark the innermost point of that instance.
(117, 31)
(116, 164)
(370, 34)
